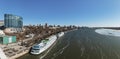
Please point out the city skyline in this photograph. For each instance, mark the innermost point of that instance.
(64, 12)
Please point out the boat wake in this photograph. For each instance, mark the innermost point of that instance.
(47, 52)
(60, 35)
(61, 50)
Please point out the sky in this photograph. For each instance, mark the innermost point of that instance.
(64, 12)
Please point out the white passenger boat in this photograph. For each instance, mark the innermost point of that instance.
(45, 44)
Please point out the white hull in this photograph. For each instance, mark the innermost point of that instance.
(60, 34)
(52, 39)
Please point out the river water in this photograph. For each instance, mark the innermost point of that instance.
(82, 44)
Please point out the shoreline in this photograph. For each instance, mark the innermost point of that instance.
(25, 52)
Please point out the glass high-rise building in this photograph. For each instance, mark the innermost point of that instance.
(13, 21)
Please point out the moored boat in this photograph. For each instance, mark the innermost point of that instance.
(45, 44)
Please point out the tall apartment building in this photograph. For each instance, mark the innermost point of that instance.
(13, 21)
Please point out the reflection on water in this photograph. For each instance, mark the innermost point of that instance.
(82, 44)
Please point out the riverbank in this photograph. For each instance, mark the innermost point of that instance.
(26, 51)
(110, 32)
(45, 44)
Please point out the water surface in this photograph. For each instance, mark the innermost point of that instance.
(82, 44)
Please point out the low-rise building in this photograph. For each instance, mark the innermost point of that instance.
(13, 30)
(7, 39)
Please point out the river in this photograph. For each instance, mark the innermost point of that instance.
(82, 44)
